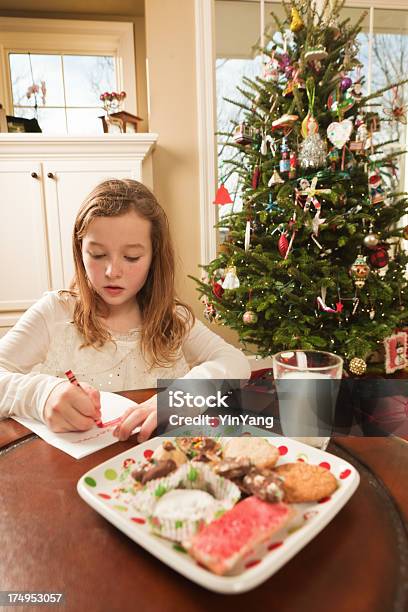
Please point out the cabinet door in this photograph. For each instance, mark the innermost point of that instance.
(67, 183)
(24, 258)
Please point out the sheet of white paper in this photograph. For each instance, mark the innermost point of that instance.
(83, 443)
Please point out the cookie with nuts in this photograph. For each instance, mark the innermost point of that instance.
(305, 483)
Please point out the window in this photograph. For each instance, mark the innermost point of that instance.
(64, 66)
(69, 86)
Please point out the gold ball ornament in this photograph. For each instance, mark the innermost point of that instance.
(250, 317)
(224, 247)
(357, 366)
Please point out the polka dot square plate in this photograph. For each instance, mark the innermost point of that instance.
(104, 489)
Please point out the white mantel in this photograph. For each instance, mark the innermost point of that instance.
(15, 146)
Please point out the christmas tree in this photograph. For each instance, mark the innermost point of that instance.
(314, 259)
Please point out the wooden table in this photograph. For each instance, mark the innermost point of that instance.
(51, 540)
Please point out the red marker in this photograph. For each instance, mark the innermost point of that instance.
(73, 380)
(109, 423)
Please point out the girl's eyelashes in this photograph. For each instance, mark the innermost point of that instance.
(99, 256)
(95, 256)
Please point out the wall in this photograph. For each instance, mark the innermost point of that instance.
(172, 95)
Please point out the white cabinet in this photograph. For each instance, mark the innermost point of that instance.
(23, 241)
(43, 181)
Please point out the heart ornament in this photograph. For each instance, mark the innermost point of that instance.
(339, 132)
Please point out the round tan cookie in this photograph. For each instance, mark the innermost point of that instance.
(305, 483)
(258, 450)
(168, 450)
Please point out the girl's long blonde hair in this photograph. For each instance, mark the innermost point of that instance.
(165, 319)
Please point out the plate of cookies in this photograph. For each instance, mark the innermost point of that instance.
(227, 513)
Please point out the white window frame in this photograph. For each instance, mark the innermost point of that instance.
(67, 36)
(206, 110)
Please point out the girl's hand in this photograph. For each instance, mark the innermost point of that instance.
(145, 414)
(68, 408)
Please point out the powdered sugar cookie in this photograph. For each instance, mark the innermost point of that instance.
(258, 450)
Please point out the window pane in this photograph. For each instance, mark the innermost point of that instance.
(236, 59)
(84, 121)
(86, 77)
(20, 78)
(237, 27)
(390, 56)
(229, 74)
(51, 120)
(45, 68)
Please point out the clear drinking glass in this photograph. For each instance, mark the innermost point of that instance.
(307, 384)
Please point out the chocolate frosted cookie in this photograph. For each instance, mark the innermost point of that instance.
(264, 484)
(168, 450)
(233, 468)
(258, 450)
(150, 471)
(305, 483)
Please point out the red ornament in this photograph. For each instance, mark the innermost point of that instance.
(217, 289)
(255, 177)
(222, 196)
(283, 245)
(379, 257)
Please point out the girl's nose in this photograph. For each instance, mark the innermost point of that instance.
(114, 269)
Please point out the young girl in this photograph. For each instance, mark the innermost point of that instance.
(119, 327)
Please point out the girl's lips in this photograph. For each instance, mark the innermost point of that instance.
(114, 290)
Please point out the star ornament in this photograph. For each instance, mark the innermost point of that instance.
(339, 307)
(272, 206)
(316, 222)
(309, 190)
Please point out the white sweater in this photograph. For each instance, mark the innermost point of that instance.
(45, 343)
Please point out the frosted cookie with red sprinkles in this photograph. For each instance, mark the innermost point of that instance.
(222, 543)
